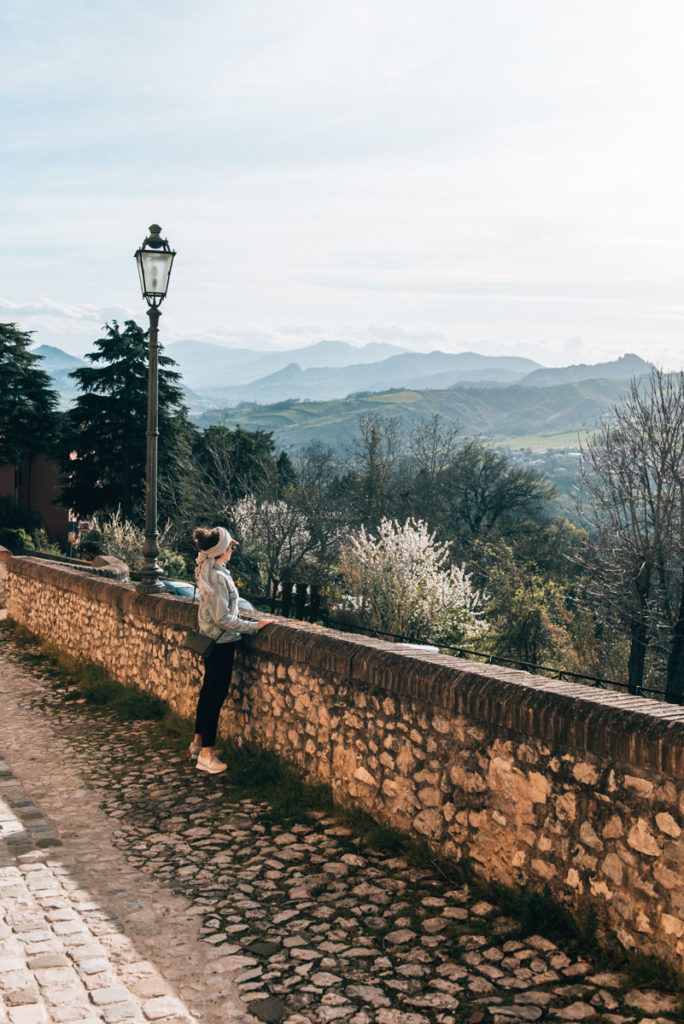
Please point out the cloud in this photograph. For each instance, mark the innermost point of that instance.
(47, 308)
(72, 328)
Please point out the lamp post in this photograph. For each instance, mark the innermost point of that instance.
(154, 259)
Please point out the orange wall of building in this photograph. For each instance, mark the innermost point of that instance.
(37, 485)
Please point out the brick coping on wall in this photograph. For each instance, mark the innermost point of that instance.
(634, 731)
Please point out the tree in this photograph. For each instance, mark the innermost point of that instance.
(28, 417)
(433, 446)
(375, 453)
(482, 494)
(400, 581)
(317, 492)
(632, 475)
(274, 540)
(105, 464)
(526, 610)
(223, 466)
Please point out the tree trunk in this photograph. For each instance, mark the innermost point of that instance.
(637, 654)
(674, 692)
(638, 630)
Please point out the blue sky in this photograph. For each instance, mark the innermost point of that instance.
(504, 176)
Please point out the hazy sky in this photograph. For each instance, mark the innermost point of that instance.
(504, 175)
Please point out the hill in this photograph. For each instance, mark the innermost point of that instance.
(618, 369)
(59, 364)
(207, 366)
(56, 359)
(498, 413)
(410, 369)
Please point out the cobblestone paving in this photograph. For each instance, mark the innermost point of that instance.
(171, 899)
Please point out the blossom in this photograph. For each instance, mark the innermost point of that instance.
(401, 581)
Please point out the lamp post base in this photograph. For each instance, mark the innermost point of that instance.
(150, 582)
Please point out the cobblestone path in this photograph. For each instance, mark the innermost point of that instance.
(132, 887)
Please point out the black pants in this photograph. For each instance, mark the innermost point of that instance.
(218, 669)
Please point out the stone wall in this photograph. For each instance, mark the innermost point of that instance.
(536, 781)
(5, 556)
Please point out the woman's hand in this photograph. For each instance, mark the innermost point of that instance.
(264, 622)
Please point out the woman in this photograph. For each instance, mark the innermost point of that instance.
(218, 618)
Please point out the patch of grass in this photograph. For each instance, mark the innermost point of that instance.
(652, 972)
(261, 774)
(539, 913)
(82, 679)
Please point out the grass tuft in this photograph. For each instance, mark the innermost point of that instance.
(539, 913)
(652, 972)
(259, 773)
(79, 679)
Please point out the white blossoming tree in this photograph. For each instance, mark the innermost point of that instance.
(274, 539)
(401, 581)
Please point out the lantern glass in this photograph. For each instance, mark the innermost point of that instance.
(154, 268)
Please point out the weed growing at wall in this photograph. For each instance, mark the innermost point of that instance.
(539, 913)
(81, 680)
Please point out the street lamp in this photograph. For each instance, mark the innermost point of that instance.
(154, 259)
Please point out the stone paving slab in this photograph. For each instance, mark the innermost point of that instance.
(133, 887)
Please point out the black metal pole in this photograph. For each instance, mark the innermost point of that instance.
(151, 571)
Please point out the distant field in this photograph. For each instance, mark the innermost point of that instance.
(540, 442)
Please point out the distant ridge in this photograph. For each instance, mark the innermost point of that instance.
(410, 369)
(623, 368)
(206, 365)
(56, 359)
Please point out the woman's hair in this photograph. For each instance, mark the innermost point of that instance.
(205, 539)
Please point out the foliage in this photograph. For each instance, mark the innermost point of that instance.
(480, 494)
(28, 417)
(274, 540)
(16, 539)
(124, 540)
(105, 457)
(41, 542)
(375, 451)
(20, 542)
(633, 474)
(223, 466)
(14, 515)
(526, 610)
(318, 494)
(400, 581)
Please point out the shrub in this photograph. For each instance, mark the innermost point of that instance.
(124, 540)
(401, 582)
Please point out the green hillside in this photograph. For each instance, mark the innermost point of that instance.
(500, 413)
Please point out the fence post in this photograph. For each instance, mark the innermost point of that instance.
(315, 606)
(300, 600)
(286, 597)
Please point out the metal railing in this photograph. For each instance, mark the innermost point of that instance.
(496, 659)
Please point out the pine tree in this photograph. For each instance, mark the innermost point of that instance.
(105, 463)
(28, 416)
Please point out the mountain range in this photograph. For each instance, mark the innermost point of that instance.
(318, 392)
(203, 364)
(221, 378)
